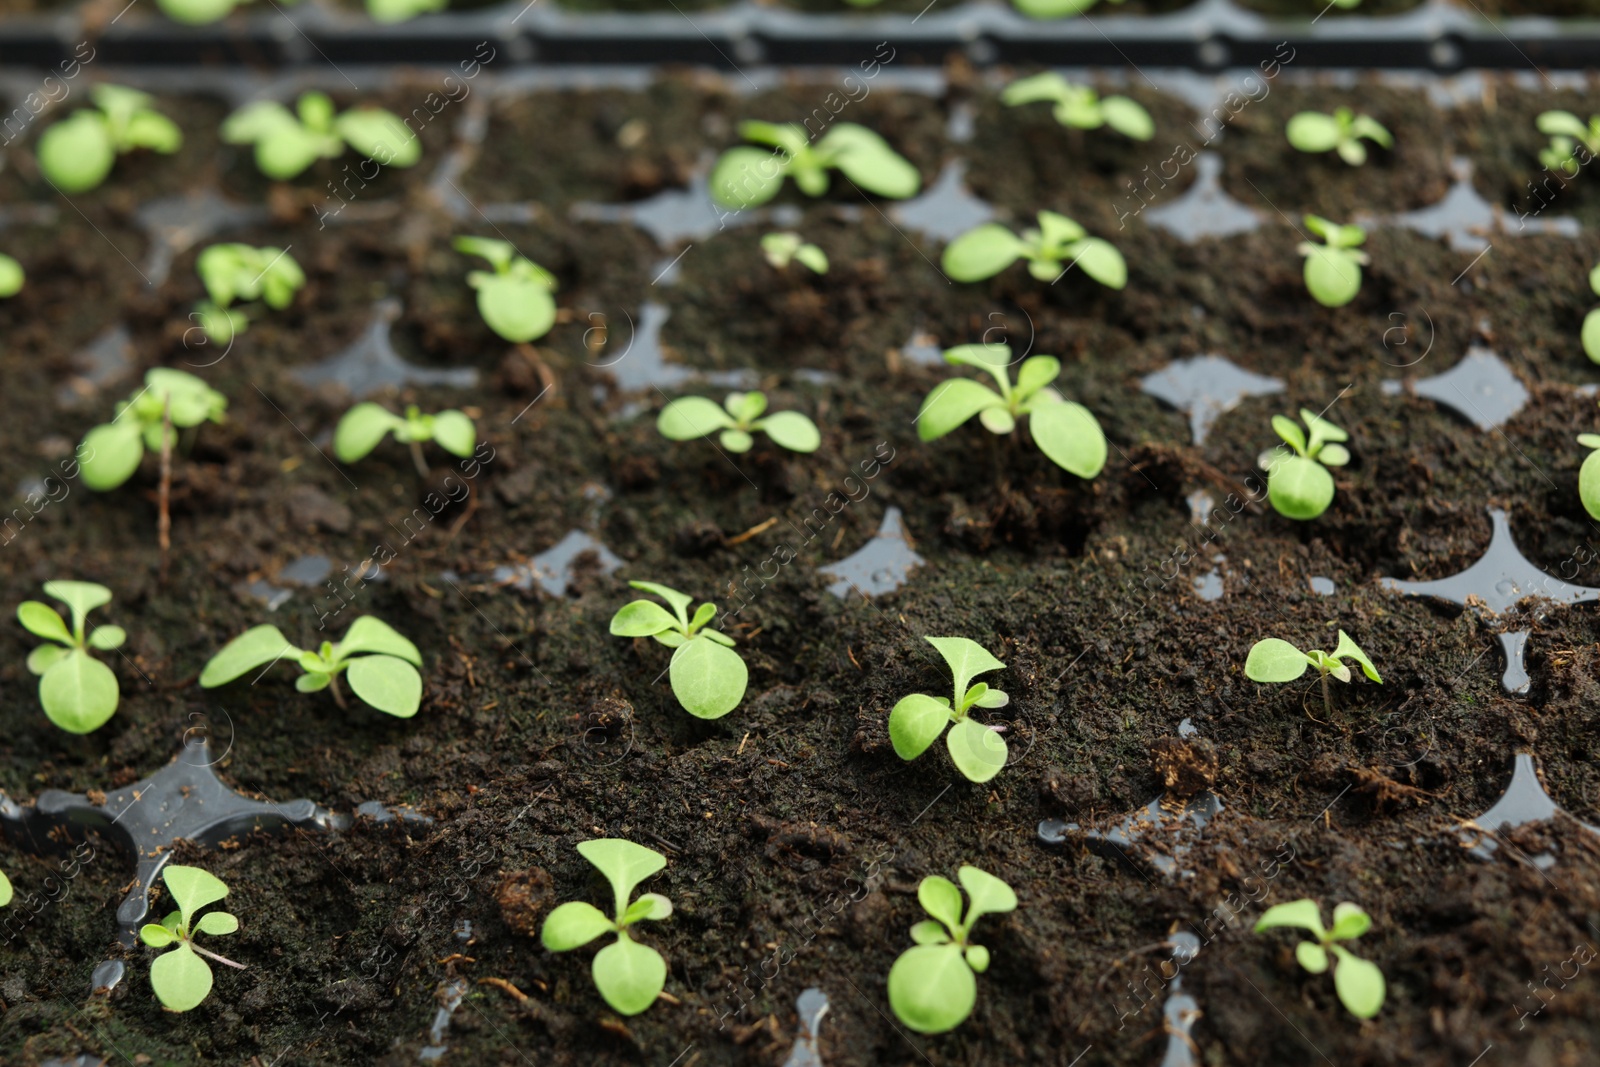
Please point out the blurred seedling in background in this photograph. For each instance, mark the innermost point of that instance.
(738, 417)
(1056, 246)
(78, 692)
(365, 425)
(1080, 107)
(782, 248)
(238, 272)
(77, 153)
(287, 142)
(515, 299)
(747, 177)
(1341, 132)
(1333, 270)
(1569, 135)
(11, 276)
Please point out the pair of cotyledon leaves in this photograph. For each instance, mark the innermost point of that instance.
(380, 665)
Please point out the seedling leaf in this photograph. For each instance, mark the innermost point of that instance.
(79, 693)
(180, 978)
(361, 429)
(791, 430)
(932, 989)
(42, 620)
(1275, 660)
(1312, 956)
(689, 417)
(370, 634)
(256, 646)
(572, 925)
(707, 678)
(967, 659)
(916, 722)
(1301, 914)
(1299, 488)
(1349, 921)
(1360, 984)
(941, 899)
(978, 752)
(981, 252)
(387, 683)
(1347, 647)
(988, 894)
(952, 403)
(624, 864)
(629, 975)
(1068, 434)
(192, 888)
(641, 618)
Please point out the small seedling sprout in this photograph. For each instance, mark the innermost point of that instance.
(1299, 485)
(1056, 9)
(1080, 107)
(628, 975)
(1358, 983)
(239, 272)
(77, 153)
(287, 142)
(916, 721)
(1063, 430)
(11, 276)
(1055, 247)
(77, 691)
(739, 416)
(1341, 132)
(1591, 321)
(931, 986)
(746, 177)
(380, 665)
(111, 452)
(387, 11)
(1333, 270)
(1589, 475)
(181, 978)
(1275, 660)
(366, 424)
(708, 678)
(515, 298)
(781, 248)
(1568, 134)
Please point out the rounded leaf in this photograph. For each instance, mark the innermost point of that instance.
(572, 925)
(79, 693)
(1302, 914)
(11, 277)
(1299, 488)
(866, 159)
(629, 975)
(792, 430)
(1035, 373)
(1360, 985)
(110, 453)
(1127, 118)
(689, 417)
(929, 932)
(916, 722)
(455, 432)
(1589, 484)
(1349, 921)
(1312, 956)
(77, 153)
(360, 429)
(978, 752)
(255, 647)
(1333, 277)
(932, 989)
(370, 634)
(1312, 131)
(1101, 261)
(217, 923)
(193, 888)
(196, 12)
(156, 936)
(1275, 660)
(517, 309)
(989, 895)
(997, 421)
(981, 252)
(952, 403)
(379, 135)
(1561, 123)
(1591, 335)
(941, 899)
(5, 890)
(180, 978)
(747, 177)
(42, 620)
(624, 864)
(735, 440)
(641, 618)
(1070, 437)
(106, 638)
(707, 678)
(44, 657)
(978, 958)
(387, 683)
(652, 906)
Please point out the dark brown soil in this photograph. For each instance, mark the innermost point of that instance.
(539, 730)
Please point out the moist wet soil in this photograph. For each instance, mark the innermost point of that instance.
(790, 826)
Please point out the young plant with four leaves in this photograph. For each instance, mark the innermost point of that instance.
(11, 276)
(1299, 485)
(781, 249)
(1055, 247)
(1341, 132)
(77, 153)
(365, 425)
(1080, 107)
(1063, 430)
(239, 272)
(1333, 270)
(515, 298)
(78, 692)
(708, 678)
(746, 177)
(739, 416)
(628, 975)
(1568, 136)
(916, 721)
(1358, 983)
(380, 665)
(1274, 660)
(110, 453)
(287, 142)
(181, 978)
(931, 986)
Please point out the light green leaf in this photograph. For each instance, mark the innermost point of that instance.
(192, 888)
(981, 252)
(572, 925)
(180, 978)
(1299, 488)
(998, 421)
(1312, 131)
(286, 151)
(1303, 914)
(517, 309)
(689, 417)
(1589, 484)
(1322, 430)
(110, 453)
(978, 752)
(1047, 86)
(746, 177)
(455, 432)
(77, 153)
(931, 988)
(624, 864)
(651, 906)
(1056, 231)
(993, 357)
(361, 428)
(1035, 373)
(1594, 280)
(735, 441)
(256, 646)
(156, 936)
(1333, 455)
(952, 403)
(1127, 118)
(929, 932)
(866, 159)
(1561, 123)
(79, 693)
(1360, 984)
(1312, 956)
(812, 257)
(152, 130)
(1591, 335)
(680, 603)
(1348, 648)
(44, 657)
(1290, 431)
(379, 135)
(1275, 660)
(988, 894)
(745, 407)
(966, 658)
(314, 681)
(1070, 437)
(994, 698)
(11, 277)
(629, 975)
(5, 890)
(106, 638)
(371, 634)
(977, 958)
(196, 12)
(941, 899)
(641, 618)
(42, 620)
(1349, 921)
(916, 722)
(217, 923)
(1101, 261)
(389, 684)
(791, 430)
(707, 678)
(1332, 277)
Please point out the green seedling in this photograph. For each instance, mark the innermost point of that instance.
(78, 692)
(781, 248)
(1080, 107)
(11, 276)
(170, 400)
(515, 299)
(735, 420)
(1568, 133)
(708, 678)
(1589, 475)
(916, 721)
(1299, 485)
(1359, 983)
(287, 142)
(1055, 247)
(200, 12)
(1591, 321)
(386, 11)
(1341, 132)
(931, 986)
(239, 272)
(1063, 430)
(1333, 270)
(181, 978)
(747, 177)
(77, 153)
(628, 975)
(380, 665)
(1275, 660)
(1056, 9)
(366, 424)
(5, 889)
